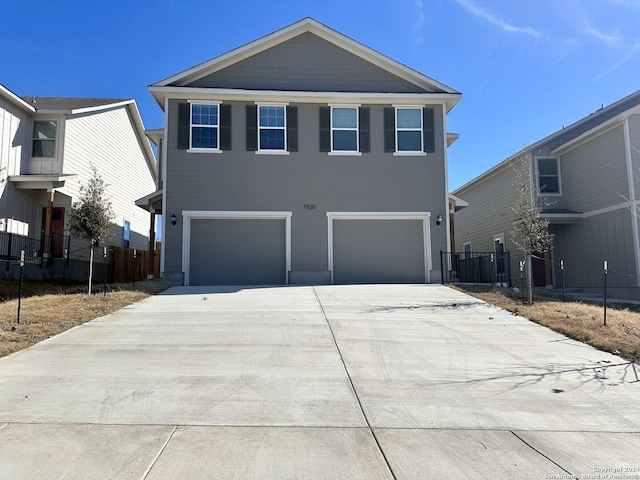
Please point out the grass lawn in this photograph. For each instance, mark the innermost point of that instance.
(49, 308)
(577, 320)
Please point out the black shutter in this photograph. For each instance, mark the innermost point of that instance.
(292, 129)
(363, 132)
(252, 128)
(389, 129)
(325, 129)
(184, 112)
(428, 129)
(225, 127)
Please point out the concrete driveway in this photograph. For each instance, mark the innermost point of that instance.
(332, 382)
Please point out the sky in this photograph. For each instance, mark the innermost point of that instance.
(525, 68)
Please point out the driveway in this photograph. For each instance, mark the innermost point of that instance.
(330, 382)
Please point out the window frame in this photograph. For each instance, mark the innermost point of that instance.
(54, 139)
(259, 128)
(398, 129)
(558, 175)
(333, 129)
(191, 148)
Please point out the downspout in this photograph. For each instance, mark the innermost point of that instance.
(632, 198)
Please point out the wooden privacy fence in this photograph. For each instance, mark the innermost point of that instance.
(125, 267)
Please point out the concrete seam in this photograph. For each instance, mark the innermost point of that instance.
(353, 387)
(160, 452)
(540, 453)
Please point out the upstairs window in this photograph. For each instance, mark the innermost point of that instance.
(44, 138)
(408, 129)
(204, 126)
(548, 175)
(344, 129)
(272, 123)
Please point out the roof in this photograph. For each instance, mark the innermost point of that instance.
(71, 104)
(306, 25)
(15, 99)
(592, 123)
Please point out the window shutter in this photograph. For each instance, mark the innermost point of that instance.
(363, 132)
(292, 129)
(428, 129)
(252, 128)
(225, 127)
(325, 129)
(184, 112)
(389, 129)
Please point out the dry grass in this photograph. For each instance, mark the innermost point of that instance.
(580, 321)
(46, 312)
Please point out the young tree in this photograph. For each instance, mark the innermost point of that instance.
(91, 215)
(530, 233)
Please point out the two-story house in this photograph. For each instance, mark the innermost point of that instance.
(47, 148)
(588, 179)
(303, 157)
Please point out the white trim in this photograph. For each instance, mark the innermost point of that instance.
(357, 129)
(536, 171)
(426, 232)
(398, 129)
(163, 176)
(344, 153)
(272, 151)
(632, 199)
(409, 154)
(216, 149)
(188, 215)
(9, 95)
(231, 94)
(612, 208)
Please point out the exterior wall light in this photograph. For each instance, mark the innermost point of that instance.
(173, 219)
(438, 219)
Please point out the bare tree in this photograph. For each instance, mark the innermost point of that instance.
(91, 215)
(530, 233)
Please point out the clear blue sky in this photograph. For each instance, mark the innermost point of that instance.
(525, 68)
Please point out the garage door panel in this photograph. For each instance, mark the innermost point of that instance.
(237, 252)
(378, 251)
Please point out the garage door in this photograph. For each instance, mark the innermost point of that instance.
(237, 252)
(378, 251)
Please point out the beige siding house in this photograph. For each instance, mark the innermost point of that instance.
(303, 157)
(47, 148)
(588, 177)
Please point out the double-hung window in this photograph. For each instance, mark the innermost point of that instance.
(272, 128)
(344, 129)
(44, 138)
(548, 175)
(409, 129)
(205, 126)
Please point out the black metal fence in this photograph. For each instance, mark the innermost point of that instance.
(475, 267)
(38, 251)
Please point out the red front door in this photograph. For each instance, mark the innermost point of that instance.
(57, 229)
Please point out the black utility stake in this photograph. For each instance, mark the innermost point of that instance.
(605, 293)
(562, 270)
(20, 287)
(135, 252)
(104, 272)
(522, 281)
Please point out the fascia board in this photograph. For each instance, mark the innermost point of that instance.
(160, 93)
(12, 97)
(80, 111)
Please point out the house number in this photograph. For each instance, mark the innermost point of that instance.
(309, 206)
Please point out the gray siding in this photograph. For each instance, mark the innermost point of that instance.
(634, 132)
(307, 63)
(238, 180)
(594, 174)
(378, 251)
(585, 245)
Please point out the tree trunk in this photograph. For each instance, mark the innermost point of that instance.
(90, 267)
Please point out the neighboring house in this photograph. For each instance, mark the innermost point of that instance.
(47, 147)
(588, 176)
(302, 157)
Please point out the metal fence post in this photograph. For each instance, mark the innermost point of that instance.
(104, 271)
(522, 281)
(441, 267)
(605, 293)
(21, 282)
(135, 252)
(562, 272)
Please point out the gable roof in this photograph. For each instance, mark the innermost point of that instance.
(597, 121)
(15, 99)
(307, 25)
